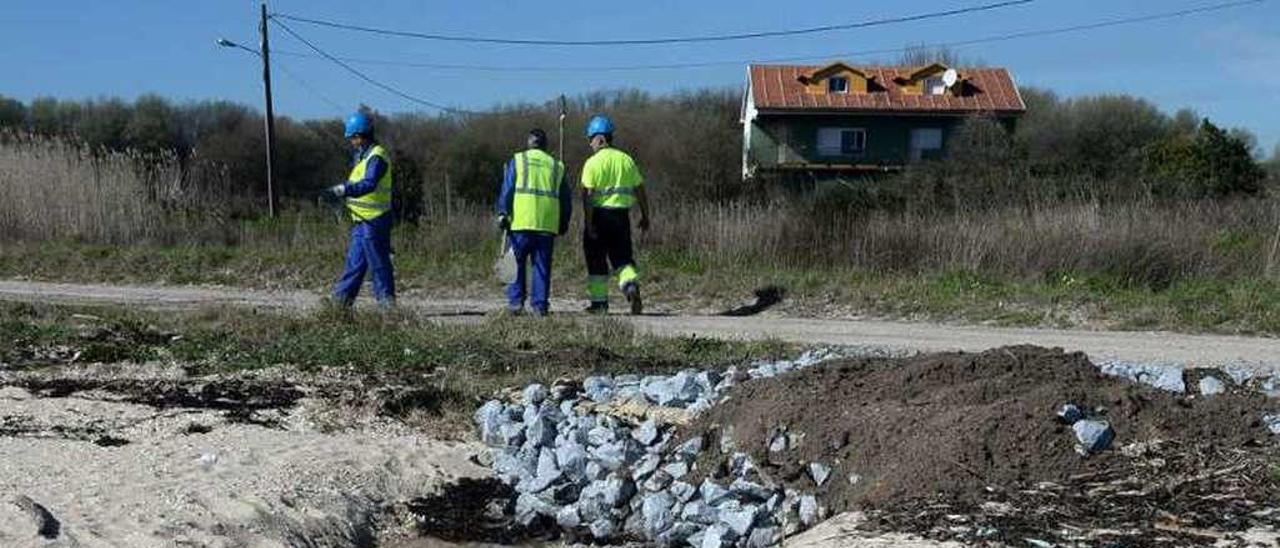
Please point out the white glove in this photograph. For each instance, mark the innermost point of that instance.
(338, 191)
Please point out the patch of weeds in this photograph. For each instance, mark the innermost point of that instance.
(40, 336)
(1017, 318)
(676, 262)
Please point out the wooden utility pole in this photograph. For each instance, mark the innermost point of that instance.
(563, 114)
(448, 201)
(271, 116)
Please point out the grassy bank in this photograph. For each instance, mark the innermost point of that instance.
(458, 364)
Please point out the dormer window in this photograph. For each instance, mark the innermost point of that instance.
(934, 85)
(836, 78)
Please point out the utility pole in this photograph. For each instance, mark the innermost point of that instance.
(563, 114)
(271, 116)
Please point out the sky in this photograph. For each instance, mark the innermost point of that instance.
(1223, 64)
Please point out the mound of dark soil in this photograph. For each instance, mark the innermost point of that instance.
(952, 431)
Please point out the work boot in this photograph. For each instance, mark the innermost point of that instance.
(597, 308)
(632, 291)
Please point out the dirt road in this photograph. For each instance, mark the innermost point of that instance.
(1255, 353)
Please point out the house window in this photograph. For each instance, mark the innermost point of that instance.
(926, 143)
(837, 141)
(934, 85)
(838, 84)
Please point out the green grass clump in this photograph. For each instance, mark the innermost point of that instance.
(471, 359)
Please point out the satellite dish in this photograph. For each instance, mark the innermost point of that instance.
(950, 77)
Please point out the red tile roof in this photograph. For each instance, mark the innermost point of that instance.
(778, 87)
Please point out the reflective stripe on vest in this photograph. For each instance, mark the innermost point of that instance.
(615, 190)
(614, 177)
(536, 204)
(369, 206)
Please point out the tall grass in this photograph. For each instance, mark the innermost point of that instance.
(54, 191)
(1143, 243)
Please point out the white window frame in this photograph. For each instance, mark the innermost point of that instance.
(934, 85)
(832, 80)
(838, 134)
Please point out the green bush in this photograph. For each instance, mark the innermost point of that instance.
(1208, 163)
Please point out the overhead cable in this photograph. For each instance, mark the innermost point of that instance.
(654, 41)
(365, 77)
(308, 87)
(807, 57)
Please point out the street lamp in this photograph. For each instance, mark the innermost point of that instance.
(229, 44)
(265, 55)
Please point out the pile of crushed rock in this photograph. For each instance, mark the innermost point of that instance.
(607, 476)
(747, 456)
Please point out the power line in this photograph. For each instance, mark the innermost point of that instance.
(365, 77)
(308, 87)
(654, 41)
(704, 64)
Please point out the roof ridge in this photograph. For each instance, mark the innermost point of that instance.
(778, 86)
(872, 67)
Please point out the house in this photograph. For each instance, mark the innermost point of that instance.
(843, 118)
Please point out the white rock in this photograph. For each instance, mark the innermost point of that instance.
(739, 521)
(819, 473)
(1093, 436)
(647, 433)
(808, 510)
(603, 529)
(534, 394)
(568, 517)
(1273, 423)
(1210, 386)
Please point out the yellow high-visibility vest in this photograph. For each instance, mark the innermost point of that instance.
(536, 204)
(612, 177)
(371, 205)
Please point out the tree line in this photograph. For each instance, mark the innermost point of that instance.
(689, 145)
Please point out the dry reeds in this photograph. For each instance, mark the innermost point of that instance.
(57, 190)
(1143, 243)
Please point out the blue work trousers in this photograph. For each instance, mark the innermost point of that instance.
(369, 250)
(536, 248)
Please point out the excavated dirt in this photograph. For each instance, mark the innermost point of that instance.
(968, 446)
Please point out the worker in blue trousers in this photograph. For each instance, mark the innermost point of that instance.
(367, 196)
(534, 207)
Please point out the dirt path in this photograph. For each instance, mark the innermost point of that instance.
(1255, 353)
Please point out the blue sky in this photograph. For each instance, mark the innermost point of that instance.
(1225, 64)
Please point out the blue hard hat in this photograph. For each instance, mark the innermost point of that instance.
(358, 124)
(599, 124)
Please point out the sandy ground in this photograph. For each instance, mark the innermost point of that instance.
(234, 485)
(1256, 353)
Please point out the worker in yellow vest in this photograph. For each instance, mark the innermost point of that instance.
(611, 186)
(367, 193)
(534, 206)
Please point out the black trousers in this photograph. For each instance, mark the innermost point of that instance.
(611, 249)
